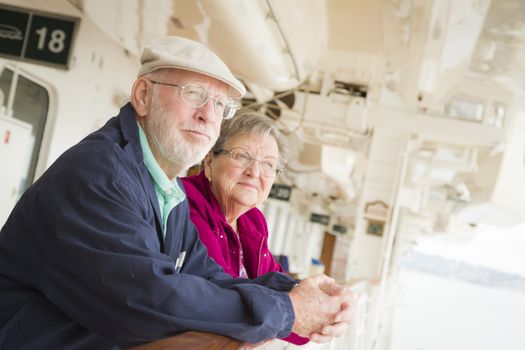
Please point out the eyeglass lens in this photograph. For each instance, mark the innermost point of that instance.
(197, 96)
(268, 167)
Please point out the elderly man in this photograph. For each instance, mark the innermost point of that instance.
(100, 253)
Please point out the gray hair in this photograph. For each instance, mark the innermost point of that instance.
(247, 121)
(158, 73)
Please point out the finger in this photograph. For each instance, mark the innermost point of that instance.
(320, 279)
(349, 296)
(319, 338)
(333, 330)
(333, 289)
(345, 313)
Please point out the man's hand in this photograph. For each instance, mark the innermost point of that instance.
(322, 308)
(334, 330)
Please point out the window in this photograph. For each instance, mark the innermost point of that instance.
(29, 104)
(498, 117)
(465, 109)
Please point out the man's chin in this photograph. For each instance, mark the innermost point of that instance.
(194, 158)
(189, 153)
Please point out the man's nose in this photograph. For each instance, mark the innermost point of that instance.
(207, 112)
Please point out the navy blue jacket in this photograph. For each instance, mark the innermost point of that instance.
(83, 264)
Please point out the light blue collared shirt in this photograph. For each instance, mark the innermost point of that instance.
(169, 194)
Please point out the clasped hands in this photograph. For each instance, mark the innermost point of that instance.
(322, 308)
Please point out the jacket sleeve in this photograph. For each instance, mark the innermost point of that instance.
(101, 267)
(199, 221)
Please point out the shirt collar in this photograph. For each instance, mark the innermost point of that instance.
(165, 186)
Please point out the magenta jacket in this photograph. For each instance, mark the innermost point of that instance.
(223, 243)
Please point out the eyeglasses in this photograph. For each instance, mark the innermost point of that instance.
(197, 96)
(242, 158)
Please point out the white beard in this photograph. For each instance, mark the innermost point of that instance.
(169, 141)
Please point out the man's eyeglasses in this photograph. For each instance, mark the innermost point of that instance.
(197, 96)
(242, 158)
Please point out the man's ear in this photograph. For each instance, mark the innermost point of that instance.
(141, 96)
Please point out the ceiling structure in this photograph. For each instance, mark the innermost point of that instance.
(324, 82)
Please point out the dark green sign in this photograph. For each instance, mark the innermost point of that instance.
(36, 36)
(339, 228)
(282, 192)
(320, 218)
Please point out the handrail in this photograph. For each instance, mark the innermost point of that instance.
(194, 341)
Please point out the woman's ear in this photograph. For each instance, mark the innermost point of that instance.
(141, 96)
(207, 165)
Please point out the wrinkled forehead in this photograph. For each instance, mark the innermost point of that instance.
(255, 142)
(180, 76)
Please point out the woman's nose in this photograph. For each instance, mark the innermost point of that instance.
(254, 169)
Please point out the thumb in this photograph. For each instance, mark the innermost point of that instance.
(321, 279)
(332, 289)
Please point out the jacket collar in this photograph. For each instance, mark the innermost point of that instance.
(243, 222)
(203, 185)
(130, 135)
(130, 132)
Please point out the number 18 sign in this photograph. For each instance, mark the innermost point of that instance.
(36, 36)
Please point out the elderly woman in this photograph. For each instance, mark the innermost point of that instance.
(238, 174)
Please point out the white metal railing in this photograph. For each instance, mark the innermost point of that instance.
(354, 338)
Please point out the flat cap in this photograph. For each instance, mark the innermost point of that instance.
(182, 53)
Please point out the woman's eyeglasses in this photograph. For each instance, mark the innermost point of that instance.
(242, 158)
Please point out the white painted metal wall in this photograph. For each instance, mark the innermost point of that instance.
(82, 98)
(291, 234)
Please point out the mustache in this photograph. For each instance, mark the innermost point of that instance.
(198, 129)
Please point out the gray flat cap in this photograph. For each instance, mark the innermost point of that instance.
(182, 53)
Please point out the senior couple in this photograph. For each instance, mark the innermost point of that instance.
(100, 252)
